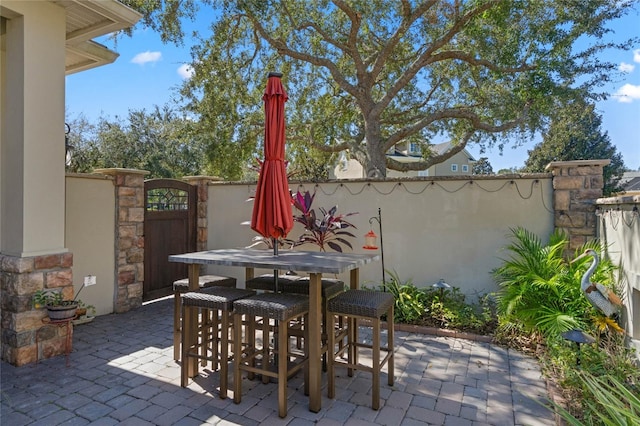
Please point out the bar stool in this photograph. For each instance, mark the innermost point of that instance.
(182, 286)
(330, 288)
(211, 335)
(279, 307)
(361, 304)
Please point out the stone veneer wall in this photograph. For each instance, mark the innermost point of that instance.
(202, 182)
(20, 278)
(129, 236)
(577, 185)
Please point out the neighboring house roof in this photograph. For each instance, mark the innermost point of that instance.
(630, 181)
(88, 19)
(439, 148)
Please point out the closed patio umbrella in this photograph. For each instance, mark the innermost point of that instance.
(272, 216)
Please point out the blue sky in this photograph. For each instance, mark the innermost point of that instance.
(148, 72)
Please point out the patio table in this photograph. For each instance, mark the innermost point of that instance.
(315, 263)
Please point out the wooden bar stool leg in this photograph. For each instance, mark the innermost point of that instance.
(251, 342)
(351, 341)
(375, 402)
(224, 353)
(265, 348)
(237, 357)
(331, 337)
(176, 325)
(186, 345)
(283, 346)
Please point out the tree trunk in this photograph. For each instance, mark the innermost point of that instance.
(376, 166)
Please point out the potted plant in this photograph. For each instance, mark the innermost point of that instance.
(85, 310)
(58, 309)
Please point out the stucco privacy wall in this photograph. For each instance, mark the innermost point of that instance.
(619, 232)
(89, 234)
(433, 228)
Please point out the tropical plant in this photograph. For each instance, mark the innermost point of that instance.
(324, 230)
(609, 402)
(540, 289)
(409, 300)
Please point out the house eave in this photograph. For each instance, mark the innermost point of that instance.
(88, 19)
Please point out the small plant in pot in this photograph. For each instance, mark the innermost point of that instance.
(85, 310)
(57, 308)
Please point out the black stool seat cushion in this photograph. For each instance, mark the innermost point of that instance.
(363, 303)
(266, 282)
(220, 298)
(204, 281)
(330, 287)
(278, 306)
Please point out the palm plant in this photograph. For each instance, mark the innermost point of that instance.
(539, 289)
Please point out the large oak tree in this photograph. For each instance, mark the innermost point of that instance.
(365, 75)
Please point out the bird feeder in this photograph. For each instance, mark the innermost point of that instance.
(370, 241)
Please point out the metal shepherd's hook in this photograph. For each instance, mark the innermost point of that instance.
(379, 220)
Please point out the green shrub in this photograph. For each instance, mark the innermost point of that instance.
(409, 306)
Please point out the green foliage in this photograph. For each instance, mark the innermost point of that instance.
(609, 401)
(43, 298)
(159, 142)
(449, 309)
(575, 134)
(539, 289)
(365, 75)
(435, 308)
(409, 306)
(482, 167)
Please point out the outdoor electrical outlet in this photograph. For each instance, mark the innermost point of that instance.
(89, 280)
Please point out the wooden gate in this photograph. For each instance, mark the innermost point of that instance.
(170, 227)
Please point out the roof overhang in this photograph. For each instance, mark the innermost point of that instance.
(88, 19)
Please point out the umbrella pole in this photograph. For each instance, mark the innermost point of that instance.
(275, 271)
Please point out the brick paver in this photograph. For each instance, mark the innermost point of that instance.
(122, 372)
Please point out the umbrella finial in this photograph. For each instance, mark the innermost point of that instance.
(275, 74)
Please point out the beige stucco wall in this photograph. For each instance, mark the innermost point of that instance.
(31, 181)
(90, 223)
(619, 232)
(432, 228)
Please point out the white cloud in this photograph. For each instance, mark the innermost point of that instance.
(636, 56)
(624, 67)
(628, 93)
(146, 57)
(185, 71)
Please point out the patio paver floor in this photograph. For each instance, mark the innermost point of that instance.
(122, 372)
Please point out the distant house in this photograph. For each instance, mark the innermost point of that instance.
(630, 181)
(460, 164)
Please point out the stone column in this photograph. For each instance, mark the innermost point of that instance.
(202, 182)
(20, 278)
(129, 236)
(577, 184)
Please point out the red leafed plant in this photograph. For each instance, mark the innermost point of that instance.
(324, 230)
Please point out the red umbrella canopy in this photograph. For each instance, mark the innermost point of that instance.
(272, 216)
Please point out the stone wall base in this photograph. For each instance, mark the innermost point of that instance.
(22, 324)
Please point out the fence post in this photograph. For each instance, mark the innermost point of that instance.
(129, 236)
(577, 184)
(202, 183)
